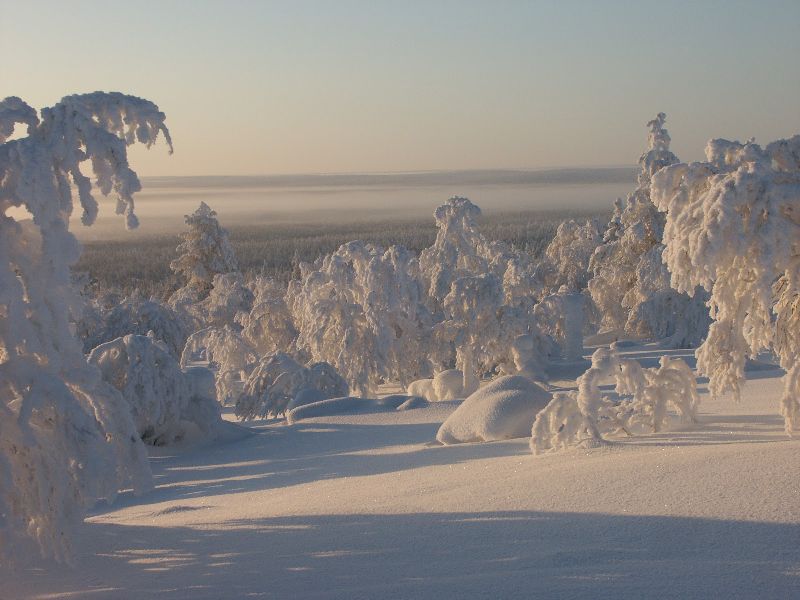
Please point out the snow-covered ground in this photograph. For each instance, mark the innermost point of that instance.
(370, 506)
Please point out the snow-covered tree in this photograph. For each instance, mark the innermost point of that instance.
(227, 353)
(268, 327)
(455, 251)
(732, 228)
(568, 255)
(204, 252)
(228, 297)
(360, 310)
(163, 400)
(563, 316)
(137, 315)
(628, 284)
(67, 438)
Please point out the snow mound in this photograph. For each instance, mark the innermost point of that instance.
(352, 405)
(503, 409)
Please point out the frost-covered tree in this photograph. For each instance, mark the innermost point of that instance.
(732, 228)
(204, 252)
(456, 250)
(165, 402)
(67, 438)
(563, 316)
(628, 285)
(482, 328)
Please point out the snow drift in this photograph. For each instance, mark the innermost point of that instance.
(502, 410)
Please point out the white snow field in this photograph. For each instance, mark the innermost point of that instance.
(368, 505)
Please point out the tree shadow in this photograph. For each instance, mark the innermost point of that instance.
(302, 453)
(521, 554)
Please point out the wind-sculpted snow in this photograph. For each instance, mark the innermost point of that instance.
(349, 405)
(586, 416)
(67, 438)
(164, 401)
(732, 227)
(501, 410)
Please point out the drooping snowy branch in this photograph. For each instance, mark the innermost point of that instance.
(67, 438)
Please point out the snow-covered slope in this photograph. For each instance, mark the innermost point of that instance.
(368, 506)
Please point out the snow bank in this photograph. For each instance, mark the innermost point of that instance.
(351, 405)
(503, 409)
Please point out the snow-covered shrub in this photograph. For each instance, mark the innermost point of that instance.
(139, 316)
(204, 252)
(501, 410)
(161, 397)
(629, 286)
(732, 227)
(67, 438)
(279, 382)
(585, 416)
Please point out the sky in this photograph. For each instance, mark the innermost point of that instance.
(253, 88)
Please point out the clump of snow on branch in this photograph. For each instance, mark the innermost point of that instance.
(67, 438)
(162, 398)
(733, 228)
(586, 416)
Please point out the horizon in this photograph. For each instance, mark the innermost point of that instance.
(298, 88)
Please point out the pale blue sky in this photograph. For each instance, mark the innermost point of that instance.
(294, 87)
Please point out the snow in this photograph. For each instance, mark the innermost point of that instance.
(501, 410)
(363, 506)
